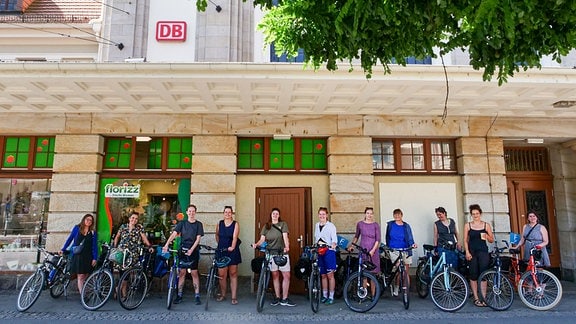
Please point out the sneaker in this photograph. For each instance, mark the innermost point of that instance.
(324, 300)
(330, 301)
(395, 291)
(275, 302)
(178, 300)
(198, 302)
(287, 302)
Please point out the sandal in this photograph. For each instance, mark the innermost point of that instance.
(234, 301)
(479, 303)
(220, 298)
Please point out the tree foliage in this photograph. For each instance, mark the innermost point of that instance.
(501, 36)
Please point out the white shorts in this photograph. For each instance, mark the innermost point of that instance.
(407, 258)
(284, 268)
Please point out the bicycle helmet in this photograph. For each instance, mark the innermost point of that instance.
(280, 260)
(223, 261)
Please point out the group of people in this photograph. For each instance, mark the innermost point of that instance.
(398, 235)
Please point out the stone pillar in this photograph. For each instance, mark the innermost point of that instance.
(481, 165)
(213, 182)
(351, 180)
(77, 163)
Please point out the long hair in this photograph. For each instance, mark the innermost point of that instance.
(83, 227)
(269, 223)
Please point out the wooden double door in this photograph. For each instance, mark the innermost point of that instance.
(534, 193)
(295, 206)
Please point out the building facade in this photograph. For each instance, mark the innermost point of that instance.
(150, 106)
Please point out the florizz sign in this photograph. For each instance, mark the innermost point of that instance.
(171, 31)
(125, 191)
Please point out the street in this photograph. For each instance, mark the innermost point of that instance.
(388, 309)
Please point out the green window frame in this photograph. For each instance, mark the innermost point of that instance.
(160, 153)
(269, 155)
(27, 152)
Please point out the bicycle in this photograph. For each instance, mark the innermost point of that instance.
(499, 289)
(448, 288)
(99, 286)
(362, 289)
(314, 280)
(398, 271)
(52, 274)
(264, 279)
(137, 282)
(539, 289)
(428, 266)
(217, 263)
(173, 277)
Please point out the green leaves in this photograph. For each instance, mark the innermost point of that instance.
(502, 36)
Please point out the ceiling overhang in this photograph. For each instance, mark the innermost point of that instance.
(250, 88)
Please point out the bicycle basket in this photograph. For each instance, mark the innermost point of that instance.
(121, 257)
(369, 265)
(280, 260)
(223, 261)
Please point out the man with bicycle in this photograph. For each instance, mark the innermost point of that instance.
(326, 238)
(190, 231)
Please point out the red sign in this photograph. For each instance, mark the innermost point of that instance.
(171, 31)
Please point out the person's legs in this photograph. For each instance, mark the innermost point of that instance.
(81, 278)
(276, 283)
(223, 274)
(196, 281)
(181, 278)
(285, 284)
(233, 273)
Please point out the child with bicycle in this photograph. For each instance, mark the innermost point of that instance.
(326, 238)
(399, 236)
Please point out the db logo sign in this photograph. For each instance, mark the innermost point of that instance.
(171, 31)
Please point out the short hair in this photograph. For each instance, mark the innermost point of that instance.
(440, 210)
(475, 207)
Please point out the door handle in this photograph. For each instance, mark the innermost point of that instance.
(300, 239)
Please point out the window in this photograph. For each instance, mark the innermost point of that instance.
(296, 154)
(27, 153)
(163, 153)
(299, 58)
(418, 156)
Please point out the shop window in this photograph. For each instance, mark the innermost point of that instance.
(418, 156)
(23, 215)
(28, 153)
(145, 153)
(295, 154)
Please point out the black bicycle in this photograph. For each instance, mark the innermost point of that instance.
(499, 289)
(264, 279)
(362, 290)
(218, 261)
(314, 280)
(135, 282)
(52, 274)
(398, 274)
(173, 277)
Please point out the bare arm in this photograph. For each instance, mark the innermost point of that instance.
(235, 237)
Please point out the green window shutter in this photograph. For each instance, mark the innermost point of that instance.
(313, 154)
(250, 153)
(44, 157)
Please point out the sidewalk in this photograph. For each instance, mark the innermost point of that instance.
(388, 308)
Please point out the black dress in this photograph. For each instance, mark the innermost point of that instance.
(82, 263)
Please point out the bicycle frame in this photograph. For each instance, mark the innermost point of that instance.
(431, 267)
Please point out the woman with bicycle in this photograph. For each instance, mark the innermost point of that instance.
(534, 235)
(131, 238)
(227, 231)
(190, 231)
(476, 234)
(399, 236)
(326, 238)
(446, 237)
(84, 249)
(275, 234)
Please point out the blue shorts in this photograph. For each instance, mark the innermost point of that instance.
(327, 262)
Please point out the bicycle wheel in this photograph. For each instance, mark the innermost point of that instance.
(405, 285)
(60, 285)
(31, 290)
(262, 286)
(449, 290)
(133, 286)
(361, 292)
(172, 287)
(499, 290)
(97, 289)
(314, 290)
(210, 286)
(422, 280)
(543, 291)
